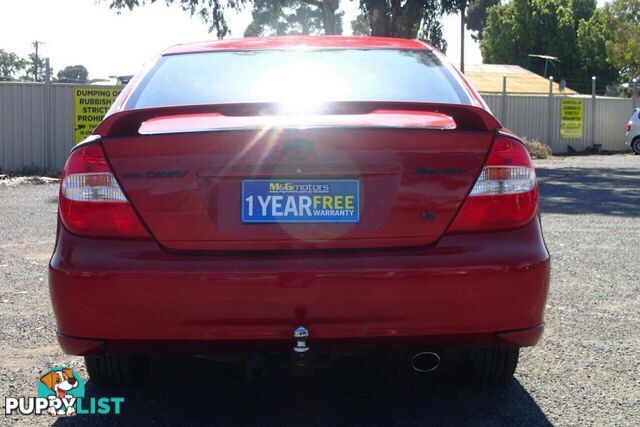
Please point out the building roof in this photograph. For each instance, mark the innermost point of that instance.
(487, 78)
(299, 42)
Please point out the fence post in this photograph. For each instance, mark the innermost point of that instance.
(47, 115)
(635, 92)
(593, 111)
(504, 101)
(550, 124)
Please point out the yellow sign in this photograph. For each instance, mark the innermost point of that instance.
(571, 118)
(90, 104)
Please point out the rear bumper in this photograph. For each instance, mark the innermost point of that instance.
(467, 290)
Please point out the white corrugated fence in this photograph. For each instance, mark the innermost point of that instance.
(528, 116)
(22, 126)
(23, 145)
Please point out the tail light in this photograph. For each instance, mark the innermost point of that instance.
(628, 127)
(505, 195)
(91, 201)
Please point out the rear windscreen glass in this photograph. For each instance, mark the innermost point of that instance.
(298, 76)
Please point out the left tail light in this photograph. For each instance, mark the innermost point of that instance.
(92, 203)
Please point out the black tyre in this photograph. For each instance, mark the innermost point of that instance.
(635, 145)
(117, 370)
(493, 364)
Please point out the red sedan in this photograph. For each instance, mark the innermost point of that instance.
(301, 196)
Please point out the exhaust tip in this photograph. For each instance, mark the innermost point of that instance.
(426, 361)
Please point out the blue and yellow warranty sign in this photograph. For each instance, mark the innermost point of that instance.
(300, 201)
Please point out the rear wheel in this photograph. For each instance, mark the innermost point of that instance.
(493, 364)
(635, 145)
(117, 370)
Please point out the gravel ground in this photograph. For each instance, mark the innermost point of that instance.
(586, 371)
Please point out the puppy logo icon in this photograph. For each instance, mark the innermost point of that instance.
(61, 392)
(62, 387)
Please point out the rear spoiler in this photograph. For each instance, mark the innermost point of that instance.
(466, 117)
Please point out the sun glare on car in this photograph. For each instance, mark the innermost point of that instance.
(302, 88)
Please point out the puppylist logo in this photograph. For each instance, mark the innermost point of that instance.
(61, 391)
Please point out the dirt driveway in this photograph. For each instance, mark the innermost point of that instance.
(586, 371)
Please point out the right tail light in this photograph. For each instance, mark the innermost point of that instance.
(505, 195)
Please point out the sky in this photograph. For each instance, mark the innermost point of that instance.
(87, 32)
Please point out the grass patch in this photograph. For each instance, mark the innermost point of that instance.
(32, 170)
(537, 149)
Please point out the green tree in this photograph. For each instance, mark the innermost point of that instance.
(73, 74)
(391, 18)
(10, 65)
(431, 30)
(30, 69)
(360, 26)
(285, 17)
(212, 12)
(593, 35)
(549, 27)
(477, 17)
(623, 47)
(409, 19)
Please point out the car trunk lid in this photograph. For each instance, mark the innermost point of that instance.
(185, 169)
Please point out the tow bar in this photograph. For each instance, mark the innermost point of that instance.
(301, 360)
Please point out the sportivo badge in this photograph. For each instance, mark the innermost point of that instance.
(298, 200)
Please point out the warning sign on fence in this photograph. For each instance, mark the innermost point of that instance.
(90, 104)
(571, 118)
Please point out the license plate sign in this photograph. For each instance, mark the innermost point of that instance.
(300, 200)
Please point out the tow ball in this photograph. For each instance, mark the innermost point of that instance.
(301, 360)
